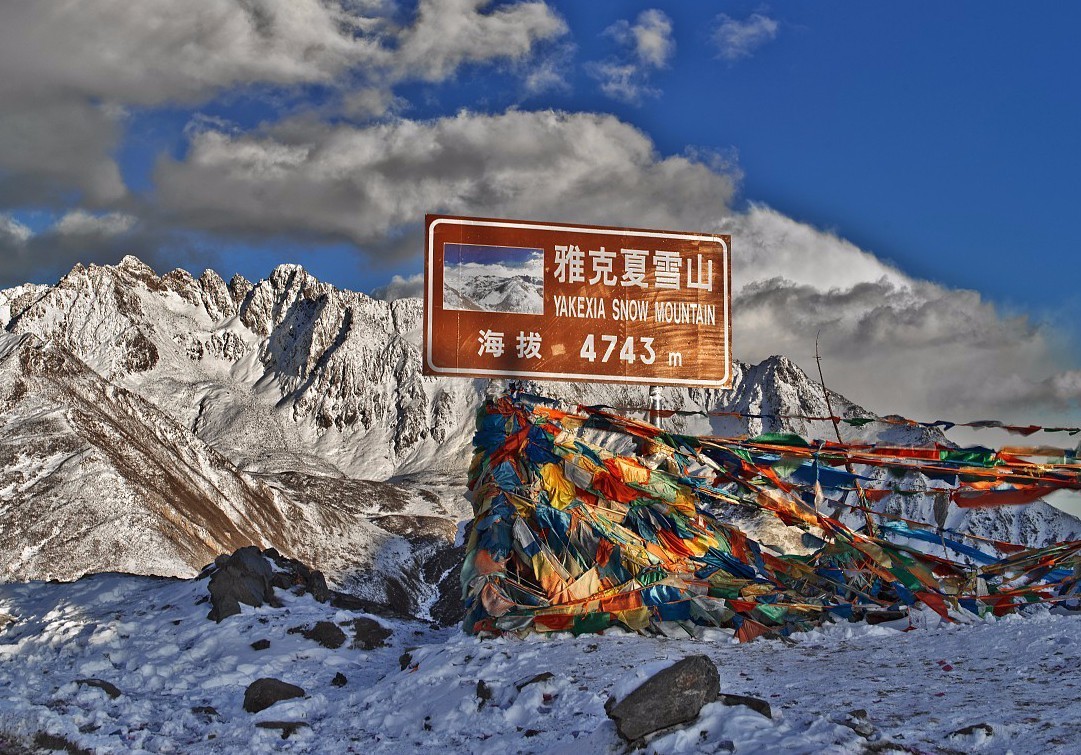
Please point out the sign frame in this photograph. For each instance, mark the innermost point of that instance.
(429, 367)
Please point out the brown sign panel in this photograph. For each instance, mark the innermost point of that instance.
(552, 301)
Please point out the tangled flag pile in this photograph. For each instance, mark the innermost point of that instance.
(587, 520)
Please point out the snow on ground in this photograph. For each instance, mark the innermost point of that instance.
(997, 686)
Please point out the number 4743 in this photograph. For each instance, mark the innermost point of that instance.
(627, 352)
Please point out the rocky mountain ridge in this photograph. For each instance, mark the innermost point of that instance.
(294, 414)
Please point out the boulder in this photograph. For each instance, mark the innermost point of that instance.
(243, 577)
(326, 633)
(369, 634)
(262, 693)
(670, 697)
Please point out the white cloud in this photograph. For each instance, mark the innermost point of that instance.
(82, 223)
(448, 33)
(889, 341)
(12, 232)
(648, 45)
(739, 39)
(71, 68)
(649, 40)
(401, 288)
(361, 184)
(623, 81)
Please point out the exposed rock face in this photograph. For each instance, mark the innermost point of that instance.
(670, 697)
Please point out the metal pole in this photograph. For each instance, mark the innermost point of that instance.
(837, 430)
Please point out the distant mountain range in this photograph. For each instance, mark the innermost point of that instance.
(492, 293)
(152, 422)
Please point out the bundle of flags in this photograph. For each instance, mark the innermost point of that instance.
(586, 519)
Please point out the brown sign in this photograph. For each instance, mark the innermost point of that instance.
(551, 301)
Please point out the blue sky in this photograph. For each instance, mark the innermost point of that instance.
(944, 137)
(909, 171)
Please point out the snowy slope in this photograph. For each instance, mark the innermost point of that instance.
(847, 688)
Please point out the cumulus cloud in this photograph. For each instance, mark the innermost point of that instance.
(70, 69)
(650, 37)
(360, 184)
(400, 287)
(448, 33)
(737, 39)
(648, 45)
(889, 341)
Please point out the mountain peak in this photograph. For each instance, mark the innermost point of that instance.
(134, 265)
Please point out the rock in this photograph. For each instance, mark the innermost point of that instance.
(856, 720)
(879, 617)
(484, 692)
(53, 742)
(317, 586)
(243, 577)
(339, 680)
(287, 728)
(369, 634)
(260, 644)
(755, 704)
(669, 697)
(326, 633)
(206, 713)
(110, 689)
(262, 693)
(404, 660)
(541, 677)
(975, 730)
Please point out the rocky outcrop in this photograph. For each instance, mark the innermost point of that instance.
(670, 697)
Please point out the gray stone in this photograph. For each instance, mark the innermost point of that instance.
(109, 688)
(369, 634)
(754, 703)
(262, 693)
(670, 697)
(243, 577)
(541, 677)
(326, 633)
(484, 692)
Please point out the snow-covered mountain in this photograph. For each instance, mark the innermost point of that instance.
(151, 422)
(495, 293)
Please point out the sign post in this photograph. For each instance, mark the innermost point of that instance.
(553, 301)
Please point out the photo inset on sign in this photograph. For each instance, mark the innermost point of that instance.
(493, 278)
